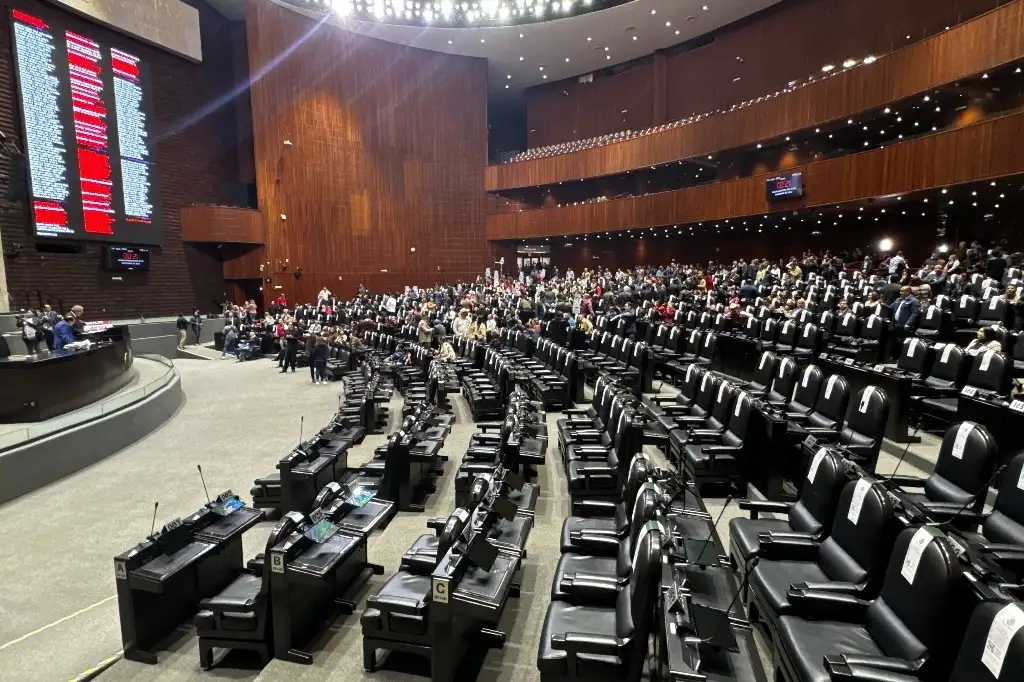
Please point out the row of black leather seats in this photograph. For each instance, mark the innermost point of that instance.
(848, 591)
(629, 361)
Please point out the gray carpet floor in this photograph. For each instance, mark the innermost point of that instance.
(58, 615)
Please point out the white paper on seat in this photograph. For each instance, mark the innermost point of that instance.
(721, 390)
(914, 553)
(807, 376)
(1004, 628)
(871, 322)
(859, 493)
(946, 351)
(764, 359)
(960, 442)
(931, 312)
(1020, 481)
(986, 360)
(812, 471)
(993, 302)
(866, 399)
(911, 347)
(648, 527)
(830, 385)
(739, 404)
(807, 330)
(704, 381)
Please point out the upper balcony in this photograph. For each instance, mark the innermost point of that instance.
(986, 42)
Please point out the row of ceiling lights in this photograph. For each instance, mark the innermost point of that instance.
(449, 10)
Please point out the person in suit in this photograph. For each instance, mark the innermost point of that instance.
(628, 318)
(907, 312)
(196, 322)
(63, 333)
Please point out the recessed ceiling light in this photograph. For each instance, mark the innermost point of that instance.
(849, 121)
(520, 35)
(545, 76)
(817, 130)
(758, 145)
(608, 56)
(541, 67)
(482, 40)
(705, 8)
(677, 33)
(449, 42)
(566, 59)
(668, 23)
(509, 76)
(506, 87)
(589, 39)
(634, 37)
(654, 11)
(522, 58)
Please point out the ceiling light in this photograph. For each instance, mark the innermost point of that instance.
(849, 121)
(677, 33)
(985, 75)
(589, 39)
(545, 76)
(849, 63)
(654, 11)
(608, 56)
(506, 87)
(634, 37)
(668, 23)
(828, 67)
(449, 42)
(758, 145)
(927, 98)
(705, 8)
(482, 40)
(944, 191)
(887, 110)
(522, 58)
(870, 59)
(817, 130)
(566, 59)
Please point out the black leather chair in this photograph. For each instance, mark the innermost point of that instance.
(808, 387)
(604, 643)
(713, 424)
(763, 375)
(900, 631)
(717, 459)
(976, 662)
(664, 409)
(785, 344)
(850, 560)
(811, 515)
(967, 457)
(1001, 535)
(605, 517)
(595, 578)
(935, 396)
(829, 407)
(783, 382)
(807, 343)
(865, 428)
(396, 617)
(239, 616)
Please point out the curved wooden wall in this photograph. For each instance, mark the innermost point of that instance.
(221, 225)
(985, 150)
(990, 40)
(369, 158)
(744, 60)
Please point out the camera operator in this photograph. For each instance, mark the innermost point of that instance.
(31, 331)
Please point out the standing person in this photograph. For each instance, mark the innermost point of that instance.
(319, 360)
(182, 326)
(49, 319)
(424, 331)
(291, 348)
(230, 339)
(196, 322)
(31, 331)
(63, 334)
(310, 346)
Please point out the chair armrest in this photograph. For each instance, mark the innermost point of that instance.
(575, 411)
(822, 431)
(889, 663)
(756, 507)
(840, 670)
(608, 541)
(659, 399)
(841, 587)
(437, 525)
(906, 481)
(719, 449)
(489, 426)
(813, 605)
(594, 508)
(999, 547)
(780, 547)
(590, 587)
(1014, 561)
(582, 643)
(940, 511)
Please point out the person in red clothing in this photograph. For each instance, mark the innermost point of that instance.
(282, 301)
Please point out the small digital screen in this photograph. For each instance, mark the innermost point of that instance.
(361, 496)
(125, 258)
(321, 531)
(228, 506)
(789, 186)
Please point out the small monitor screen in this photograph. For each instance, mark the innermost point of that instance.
(125, 258)
(789, 186)
(321, 531)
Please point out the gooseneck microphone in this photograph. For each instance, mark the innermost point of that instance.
(152, 527)
(203, 480)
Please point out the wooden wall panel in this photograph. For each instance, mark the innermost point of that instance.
(221, 224)
(196, 161)
(750, 58)
(385, 167)
(990, 149)
(988, 41)
(242, 261)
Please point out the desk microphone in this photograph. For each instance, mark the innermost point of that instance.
(302, 424)
(152, 527)
(201, 478)
(893, 475)
(973, 498)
